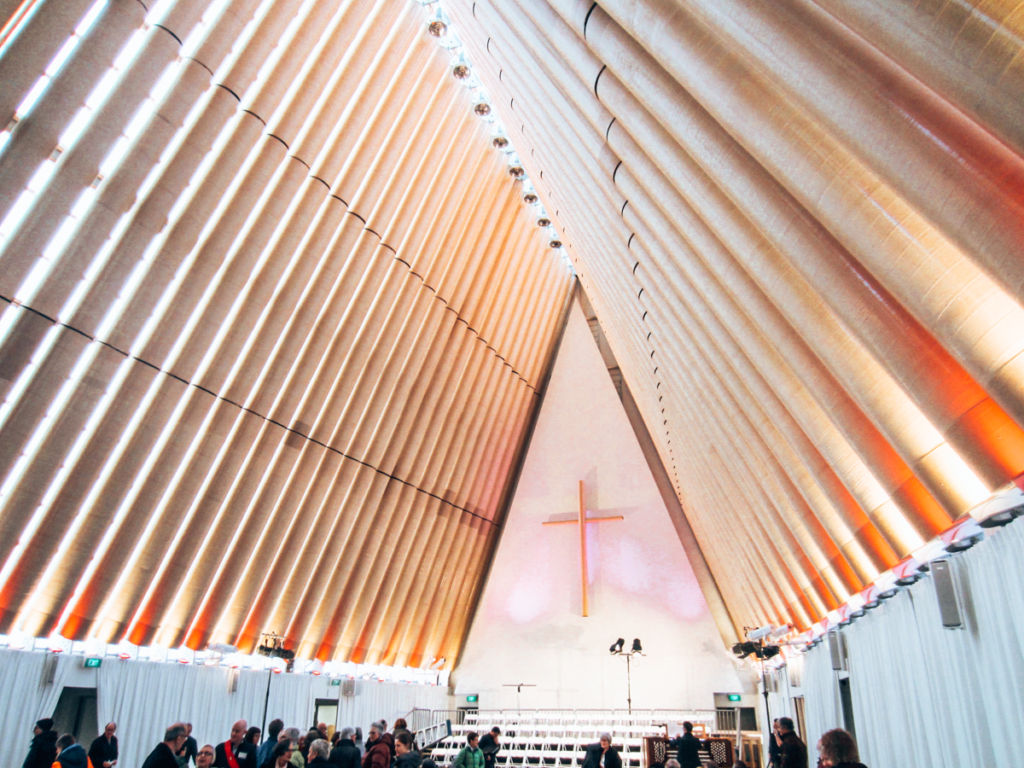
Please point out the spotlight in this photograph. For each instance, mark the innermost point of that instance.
(530, 198)
(555, 243)
(460, 71)
(500, 142)
(636, 645)
(617, 646)
(543, 222)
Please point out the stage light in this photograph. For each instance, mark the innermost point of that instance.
(636, 645)
(617, 646)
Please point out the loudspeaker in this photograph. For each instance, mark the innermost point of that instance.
(948, 595)
(50, 669)
(348, 687)
(837, 649)
(233, 680)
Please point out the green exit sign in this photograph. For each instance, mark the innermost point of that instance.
(735, 697)
(335, 682)
(472, 698)
(93, 663)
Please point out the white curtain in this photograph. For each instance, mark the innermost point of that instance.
(823, 708)
(374, 700)
(21, 695)
(928, 696)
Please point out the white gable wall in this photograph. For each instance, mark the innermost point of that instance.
(529, 628)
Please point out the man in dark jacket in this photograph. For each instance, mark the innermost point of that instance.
(103, 750)
(273, 732)
(377, 753)
(319, 751)
(490, 743)
(236, 752)
(163, 755)
(43, 750)
(346, 754)
(70, 754)
(792, 751)
(688, 746)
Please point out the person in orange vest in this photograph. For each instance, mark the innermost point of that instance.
(70, 754)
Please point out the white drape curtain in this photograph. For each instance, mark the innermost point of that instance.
(927, 696)
(374, 701)
(823, 708)
(21, 693)
(924, 695)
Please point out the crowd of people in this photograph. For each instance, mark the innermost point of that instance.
(244, 748)
(290, 748)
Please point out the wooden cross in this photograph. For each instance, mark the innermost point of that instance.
(582, 522)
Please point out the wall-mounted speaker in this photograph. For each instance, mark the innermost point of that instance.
(233, 680)
(837, 649)
(50, 669)
(348, 687)
(948, 594)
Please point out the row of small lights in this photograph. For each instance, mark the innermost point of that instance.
(439, 26)
(961, 536)
(219, 655)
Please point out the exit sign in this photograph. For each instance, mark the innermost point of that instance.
(735, 697)
(472, 698)
(335, 682)
(93, 663)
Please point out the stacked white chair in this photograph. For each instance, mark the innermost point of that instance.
(559, 738)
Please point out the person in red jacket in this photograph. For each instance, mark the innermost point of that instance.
(377, 753)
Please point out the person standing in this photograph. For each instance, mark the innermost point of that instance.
(405, 755)
(43, 749)
(839, 750)
(470, 756)
(602, 754)
(273, 732)
(70, 754)
(489, 745)
(377, 753)
(281, 755)
(187, 752)
(103, 750)
(204, 756)
(346, 754)
(792, 751)
(236, 752)
(688, 746)
(774, 752)
(163, 755)
(319, 751)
